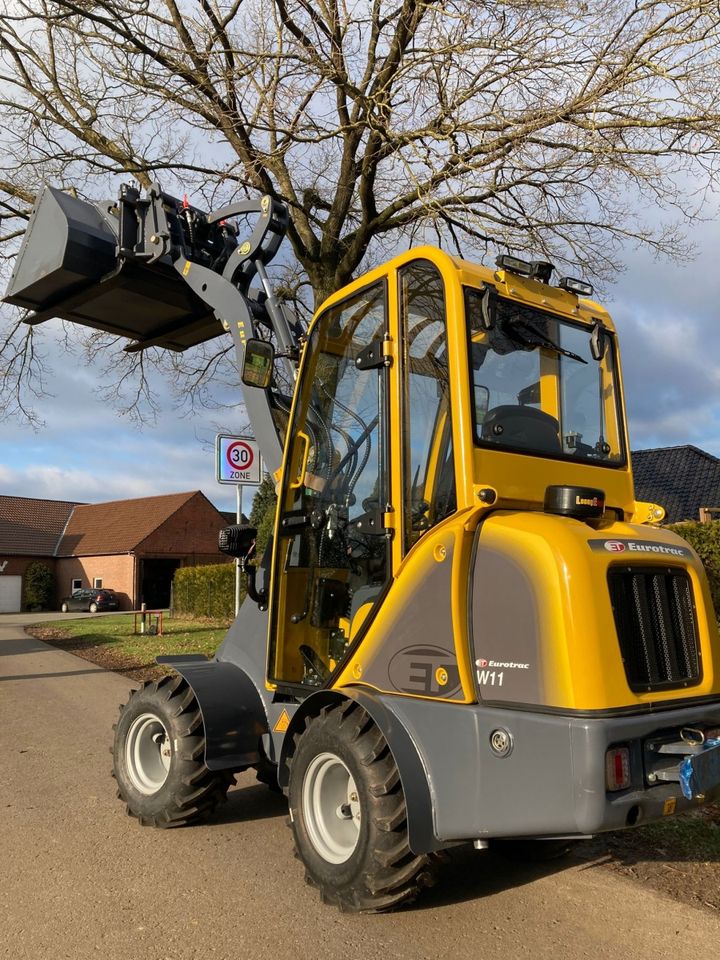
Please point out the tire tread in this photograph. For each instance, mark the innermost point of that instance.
(199, 791)
(393, 875)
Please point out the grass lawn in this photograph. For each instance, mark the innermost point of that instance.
(110, 642)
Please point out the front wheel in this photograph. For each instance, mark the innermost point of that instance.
(64, 608)
(158, 757)
(349, 817)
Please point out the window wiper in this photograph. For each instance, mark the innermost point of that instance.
(545, 341)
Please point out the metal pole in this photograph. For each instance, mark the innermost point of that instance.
(238, 519)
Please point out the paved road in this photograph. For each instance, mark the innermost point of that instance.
(80, 880)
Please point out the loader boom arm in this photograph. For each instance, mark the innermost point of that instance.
(165, 274)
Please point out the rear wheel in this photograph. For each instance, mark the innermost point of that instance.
(348, 814)
(158, 757)
(93, 608)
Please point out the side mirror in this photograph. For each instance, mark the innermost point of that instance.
(598, 342)
(488, 306)
(257, 368)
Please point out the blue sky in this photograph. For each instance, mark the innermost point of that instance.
(668, 317)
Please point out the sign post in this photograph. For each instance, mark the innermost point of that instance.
(238, 461)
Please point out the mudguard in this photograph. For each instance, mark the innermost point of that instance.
(407, 758)
(232, 711)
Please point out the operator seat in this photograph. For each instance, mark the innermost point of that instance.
(519, 426)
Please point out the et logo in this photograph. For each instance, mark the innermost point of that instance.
(426, 670)
(615, 546)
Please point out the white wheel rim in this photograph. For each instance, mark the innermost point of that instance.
(331, 808)
(147, 753)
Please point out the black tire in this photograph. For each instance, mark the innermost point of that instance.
(63, 608)
(523, 849)
(93, 608)
(159, 736)
(381, 872)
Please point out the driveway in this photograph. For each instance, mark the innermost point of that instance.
(78, 879)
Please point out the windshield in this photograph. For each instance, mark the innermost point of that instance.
(537, 386)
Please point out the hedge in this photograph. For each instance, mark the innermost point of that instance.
(209, 590)
(206, 591)
(704, 538)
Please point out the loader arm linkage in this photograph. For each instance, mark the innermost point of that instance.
(164, 274)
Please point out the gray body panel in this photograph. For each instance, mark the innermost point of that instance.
(245, 645)
(553, 781)
(419, 639)
(504, 627)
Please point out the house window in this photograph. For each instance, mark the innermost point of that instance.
(76, 585)
(97, 583)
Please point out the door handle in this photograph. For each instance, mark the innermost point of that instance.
(305, 440)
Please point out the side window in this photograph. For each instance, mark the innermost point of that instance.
(428, 466)
(332, 556)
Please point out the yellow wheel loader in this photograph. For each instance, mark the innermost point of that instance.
(465, 629)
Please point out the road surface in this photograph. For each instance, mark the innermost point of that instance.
(80, 880)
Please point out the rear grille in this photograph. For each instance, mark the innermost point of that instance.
(655, 621)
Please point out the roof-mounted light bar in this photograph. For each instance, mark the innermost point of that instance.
(542, 270)
(514, 264)
(533, 269)
(578, 287)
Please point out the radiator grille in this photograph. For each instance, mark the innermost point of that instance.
(655, 621)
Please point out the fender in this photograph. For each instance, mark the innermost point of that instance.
(405, 753)
(231, 708)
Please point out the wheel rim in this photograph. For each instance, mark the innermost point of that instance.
(147, 753)
(331, 808)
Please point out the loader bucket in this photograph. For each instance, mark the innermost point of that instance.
(68, 267)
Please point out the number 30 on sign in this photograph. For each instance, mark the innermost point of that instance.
(238, 460)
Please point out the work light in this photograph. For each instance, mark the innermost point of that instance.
(578, 287)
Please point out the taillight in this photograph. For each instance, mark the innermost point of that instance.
(617, 768)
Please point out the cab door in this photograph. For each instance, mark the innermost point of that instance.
(331, 557)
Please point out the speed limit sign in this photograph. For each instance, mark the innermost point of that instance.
(238, 460)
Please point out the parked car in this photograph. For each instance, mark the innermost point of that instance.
(92, 600)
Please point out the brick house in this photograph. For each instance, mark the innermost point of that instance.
(130, 546)
(29, 530)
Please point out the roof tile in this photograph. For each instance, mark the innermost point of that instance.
(119, 526)
(681, 479)
(30, 527)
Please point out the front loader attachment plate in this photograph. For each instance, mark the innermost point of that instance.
(69, 267)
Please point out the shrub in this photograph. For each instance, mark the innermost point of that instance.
(39, 586)
(206, 591)
(704, 538)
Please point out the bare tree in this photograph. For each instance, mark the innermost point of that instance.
(529, 125)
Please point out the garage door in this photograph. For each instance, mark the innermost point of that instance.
(10, 593)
